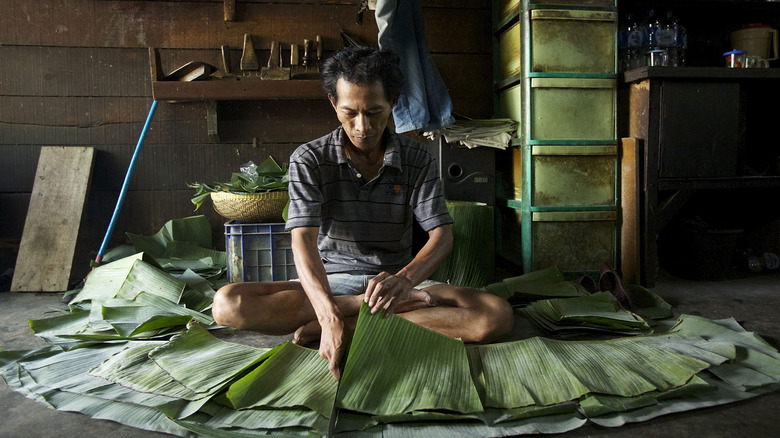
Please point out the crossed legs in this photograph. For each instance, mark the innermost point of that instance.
(280, 308)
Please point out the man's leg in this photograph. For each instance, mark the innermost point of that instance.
(458, 312)
(465, 313)
(272, 308)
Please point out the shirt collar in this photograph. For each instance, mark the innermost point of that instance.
(392, 149)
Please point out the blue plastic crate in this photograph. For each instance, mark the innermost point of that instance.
(258, 252)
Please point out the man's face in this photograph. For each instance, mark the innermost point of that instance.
(363, 112)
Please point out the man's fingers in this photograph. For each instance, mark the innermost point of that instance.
(334, 369)
(374, 289)
(391, 307)
(380, 303)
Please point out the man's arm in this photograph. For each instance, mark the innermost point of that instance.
(389, 290)
(314, 280)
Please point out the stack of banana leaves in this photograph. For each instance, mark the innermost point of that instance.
(139, 347)
(559, 306)
(544, 283)
(599, 312)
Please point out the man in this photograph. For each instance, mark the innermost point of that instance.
(353, 196)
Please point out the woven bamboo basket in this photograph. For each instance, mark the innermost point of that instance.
(251, 207)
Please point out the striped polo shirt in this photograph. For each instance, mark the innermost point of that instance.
(365, 227)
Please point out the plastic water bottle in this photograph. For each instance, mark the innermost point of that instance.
(665, 38)
(634, 37)
(649, 29)
(680, 42)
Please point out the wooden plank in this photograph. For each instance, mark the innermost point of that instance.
(629, 207)
(53, 219)
(237, 90)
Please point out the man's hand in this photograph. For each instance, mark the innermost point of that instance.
(332, 344)
(388, 291)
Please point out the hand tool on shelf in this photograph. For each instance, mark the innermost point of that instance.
(249, 63)
(309, 67)
(191, 71)
(274, 71)
(226, 67)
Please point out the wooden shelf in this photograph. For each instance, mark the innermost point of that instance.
(740, 182)
(700, 73)
(237, 89)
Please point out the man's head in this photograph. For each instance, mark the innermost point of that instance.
(363, 66)
(363, 84)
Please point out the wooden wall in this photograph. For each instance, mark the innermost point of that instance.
(76, 73)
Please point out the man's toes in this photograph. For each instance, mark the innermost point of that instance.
(307, 333)
(422, 295)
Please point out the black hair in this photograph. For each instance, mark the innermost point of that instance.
(364, 66)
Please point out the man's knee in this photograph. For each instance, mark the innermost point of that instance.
(497, 318)
(227, 305)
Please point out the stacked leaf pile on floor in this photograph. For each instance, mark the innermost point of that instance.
(139, 347)
(565, 307)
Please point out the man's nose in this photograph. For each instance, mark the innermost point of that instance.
(360, 123)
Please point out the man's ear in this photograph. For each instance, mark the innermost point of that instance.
(332, 100)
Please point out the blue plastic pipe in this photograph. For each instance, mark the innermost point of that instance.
(126, 183)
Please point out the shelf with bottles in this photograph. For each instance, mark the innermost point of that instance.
(655, 39)
(709, 24)
(700, 73)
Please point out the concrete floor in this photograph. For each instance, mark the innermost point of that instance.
(754, 301)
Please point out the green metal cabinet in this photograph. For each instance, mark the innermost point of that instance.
(557, 76)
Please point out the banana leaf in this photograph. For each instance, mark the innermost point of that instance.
(133, 369)
(199, 293)
(544, 283)
(194, 229)
(550, 424)
(594, 405)
(104, 282)
(647, 304)
(266, 419)
(599, 311)
(471, 263)
(545, 371)
(125, 321)
(60, 381)
(178, 254)
(131, 414)
(758, 362)
(126, 278)
(51, 376)
(145, 277)
(164, 306)
(200, 430)
(201, 362)
(395, 366)
(293, 376)
(56, 329)
(723, 394)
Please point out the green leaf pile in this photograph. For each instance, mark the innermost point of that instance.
(270, 177)
(139, 347)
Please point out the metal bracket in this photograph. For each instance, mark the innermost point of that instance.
(212, 120)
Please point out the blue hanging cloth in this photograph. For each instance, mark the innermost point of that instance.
(425, 104)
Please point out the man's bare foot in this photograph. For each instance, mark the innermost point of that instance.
(350, 305)
(307, 333)
(418, 299)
